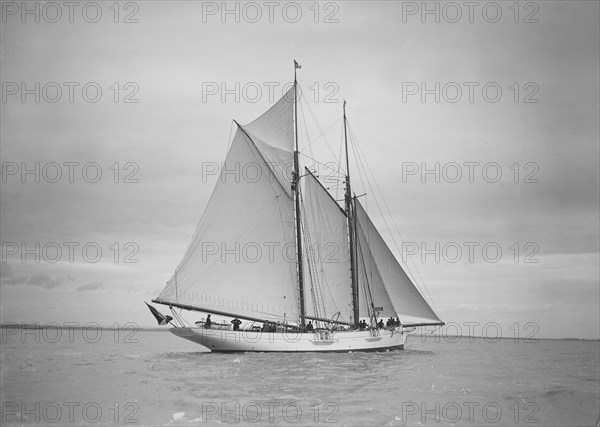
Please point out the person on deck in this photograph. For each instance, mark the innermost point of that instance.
(236, 324)
(208, 322)
(269, 327)
(309, 327)
(380, 324)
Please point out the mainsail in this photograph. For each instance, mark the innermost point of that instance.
(241, 258)
(389, 282)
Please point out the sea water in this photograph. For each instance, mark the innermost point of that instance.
(129, 377)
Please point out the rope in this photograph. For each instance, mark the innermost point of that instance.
(360, 157)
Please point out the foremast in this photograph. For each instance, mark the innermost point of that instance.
(296, 190)
(350, 214)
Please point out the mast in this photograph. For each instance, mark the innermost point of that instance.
(351, 227)
(296, 188)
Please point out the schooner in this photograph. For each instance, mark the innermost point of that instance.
(262, 252)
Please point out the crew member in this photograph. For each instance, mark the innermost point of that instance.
(236, 324)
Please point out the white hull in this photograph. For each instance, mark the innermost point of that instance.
(342, 341)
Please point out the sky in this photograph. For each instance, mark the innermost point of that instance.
(123, 108)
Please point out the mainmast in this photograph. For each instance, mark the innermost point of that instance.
(351, 228)
(296, 188)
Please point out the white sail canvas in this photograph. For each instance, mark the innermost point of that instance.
(273, 246)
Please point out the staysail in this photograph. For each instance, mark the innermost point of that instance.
(326, 249)
(387, 279)
(241, 258)
(372, 290)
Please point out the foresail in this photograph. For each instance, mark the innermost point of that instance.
(405, 298)
(328, 287)
(242, 255)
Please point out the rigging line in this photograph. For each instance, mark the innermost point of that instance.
(360, 157)
(397, 230)
(322, 133)
(367, 286)
(330, 294)
(303, 119)
(291, 271)
(189, 249)
(363, 285)
(357, 158)
(197, 229)
(374, 267)
(323, 164)
(182, 321)
(260, 161)
(320, 186)
(339, 162)
(318, 302)
(308, 260)
(324, 278)
(352, 139)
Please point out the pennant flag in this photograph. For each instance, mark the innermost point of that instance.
(160, 318)
(297, 65)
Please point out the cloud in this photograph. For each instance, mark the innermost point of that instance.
(9, 280)
(42, 280)
(92, 286)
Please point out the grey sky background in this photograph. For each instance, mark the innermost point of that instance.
(369, 57)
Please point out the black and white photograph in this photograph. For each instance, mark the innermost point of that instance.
(300, 213)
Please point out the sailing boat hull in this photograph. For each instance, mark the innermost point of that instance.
(256, 341)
